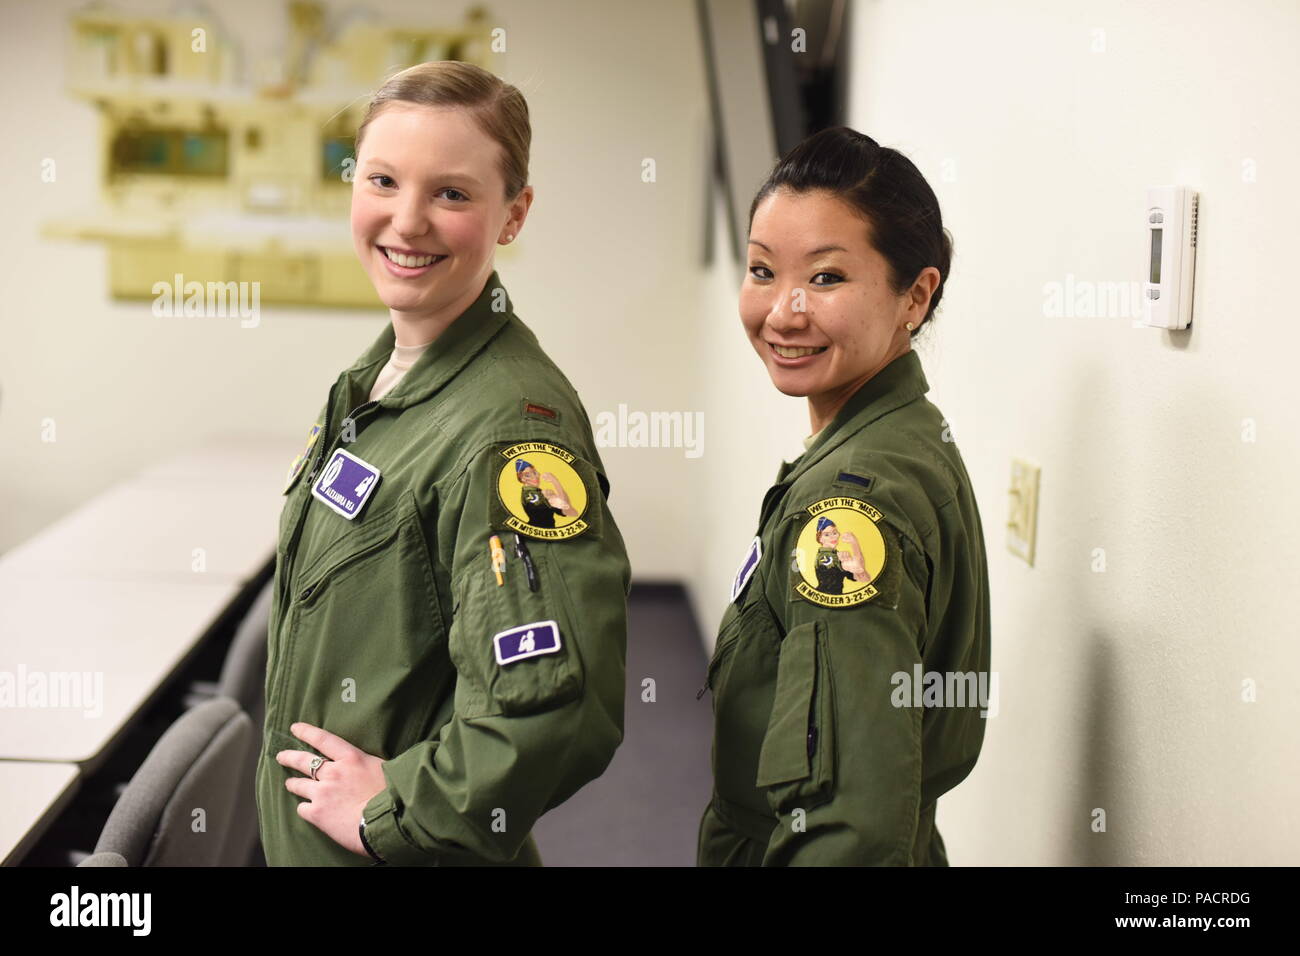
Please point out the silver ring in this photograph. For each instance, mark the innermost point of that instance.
(316, 764)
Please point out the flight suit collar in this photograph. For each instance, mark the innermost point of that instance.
(899, 382)
(459, 343)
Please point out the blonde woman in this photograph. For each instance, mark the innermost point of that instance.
(442, 671)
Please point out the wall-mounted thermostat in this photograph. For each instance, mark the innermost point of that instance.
(1171, 256)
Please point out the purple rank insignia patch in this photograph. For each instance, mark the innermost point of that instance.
(527, 640)
(346, 483)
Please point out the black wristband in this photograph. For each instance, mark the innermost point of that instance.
(366, 843)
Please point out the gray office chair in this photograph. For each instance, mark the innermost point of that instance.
(104, 859)
(243, 678)
(200, 770)
(243, 673)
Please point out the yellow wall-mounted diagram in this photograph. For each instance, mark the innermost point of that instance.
(221, 178)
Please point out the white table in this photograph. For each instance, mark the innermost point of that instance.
(173, 531)
(102, 607)
(103, 646)
(206, 515)
(31, 796)
(257, 458)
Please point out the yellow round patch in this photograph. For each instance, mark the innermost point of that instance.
(839, 553)
(541, 491)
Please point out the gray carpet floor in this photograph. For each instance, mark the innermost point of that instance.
(645, 809)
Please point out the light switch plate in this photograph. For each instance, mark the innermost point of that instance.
(1022, 520)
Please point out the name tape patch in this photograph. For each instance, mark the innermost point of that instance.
(747, 568)
(346, 483)
(527, 640)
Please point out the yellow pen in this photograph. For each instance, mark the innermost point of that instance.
(498, 558)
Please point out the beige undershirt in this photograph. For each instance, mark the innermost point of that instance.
(403, 358)
(808, 442)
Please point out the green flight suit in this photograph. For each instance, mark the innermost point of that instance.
(814, 761)
(382, 626)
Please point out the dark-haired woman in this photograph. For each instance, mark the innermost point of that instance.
(825, 751)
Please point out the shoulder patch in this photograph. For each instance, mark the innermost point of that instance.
(542, 491)
(845, 554)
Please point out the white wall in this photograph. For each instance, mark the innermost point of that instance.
(1120, 689)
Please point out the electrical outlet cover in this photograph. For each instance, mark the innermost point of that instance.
(1022, 520)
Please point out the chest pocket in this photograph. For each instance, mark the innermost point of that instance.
(367, 655)
(742, 674)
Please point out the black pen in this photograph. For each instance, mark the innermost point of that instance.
(521, 550)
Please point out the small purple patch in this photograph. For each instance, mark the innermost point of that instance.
(746, 568)
(527, 640)
(346, 483)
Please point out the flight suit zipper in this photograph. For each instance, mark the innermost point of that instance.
(302, 511)
(287, 591)
(311, 477)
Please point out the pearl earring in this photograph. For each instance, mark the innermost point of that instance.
(909, 326)
(510, 237)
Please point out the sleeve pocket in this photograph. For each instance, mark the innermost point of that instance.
(797, 761)
(531, 684)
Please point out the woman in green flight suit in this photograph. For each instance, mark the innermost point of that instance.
(824, 750)
(429, 698)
